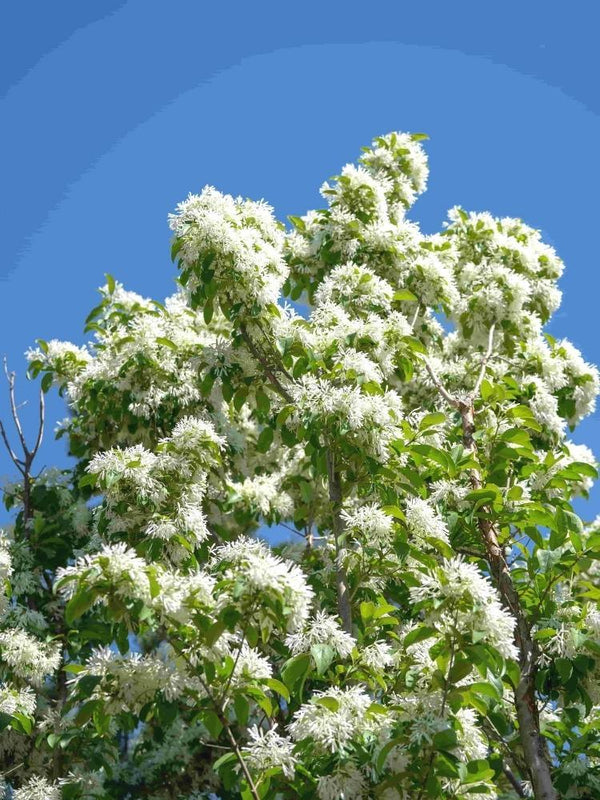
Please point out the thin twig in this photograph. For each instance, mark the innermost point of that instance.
(15, 459)
(453, 401)
(10, 377)
(40, 435)
(484, 361)
(415, 316)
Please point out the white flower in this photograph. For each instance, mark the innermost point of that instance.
(356, 288)
(270, 749)
(17, 701)
(332, 718)
(472, 744)
(116, 565)
(424, 521)
(260, 570)
(474, 602)
(346, 783)
(370, 524)
(37, 789)
(323, 629)
(241, 239)
(129, 682)
(377, 656)
(250, 666)
(28, 657)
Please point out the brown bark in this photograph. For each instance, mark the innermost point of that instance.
(338, 526)
(532, 741)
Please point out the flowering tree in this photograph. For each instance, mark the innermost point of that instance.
(433, 629)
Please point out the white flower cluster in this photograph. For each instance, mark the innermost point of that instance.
(257, 572)
(333, 718)
(117, 570)
(357, 289)
(470, 602)
(369, 525)
(268, 749)
(372, 420)
(64, 359)
(172, 481)
(129, 682)
(28, 657)
(17, 701)
(238, 240)
(346, 782)
(503, 272)
(424, 522)
(263, 493)
(377, 656)
(322, 629)
(37, 788)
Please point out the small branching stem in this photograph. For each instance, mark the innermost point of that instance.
(532, 741)
(338, 528)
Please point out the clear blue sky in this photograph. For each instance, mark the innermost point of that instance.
(114, 111)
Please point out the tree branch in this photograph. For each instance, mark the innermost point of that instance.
(532, 741)
(484, 361)
(262, 359)
(16, 461)
(338, 528)
(450, 399)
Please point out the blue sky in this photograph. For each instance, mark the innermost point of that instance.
(114, 111)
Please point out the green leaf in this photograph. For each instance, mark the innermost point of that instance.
(564, 668)
(239, 398)
(418, 635)
(86, 712)
(209, 310)
(228, 758)
(330, 703)
(22, 723)
(278, 687)
(460, 669)
(175, 248)
(429, 420)
(263, 402)
(394, 511)
(404, 295)
(445, 740)
(323, 655)
(242, 709)
(297, 222)
(82, 600)
(213, 724)
(295, 669)
(166, 342)
(47, 380)
(264, 440)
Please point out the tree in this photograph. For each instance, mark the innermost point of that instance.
(432, 629)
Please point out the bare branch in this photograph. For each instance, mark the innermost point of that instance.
(484, 361)
(40, 434)
(10, 377)
(439, 385)
(415, 316)
(514, 782)
(16, 461)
